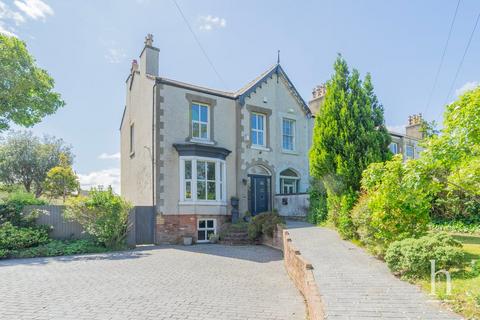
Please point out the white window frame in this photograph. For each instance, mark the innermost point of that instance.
(206, 229)
(396, 147)
(199, 121)
(263, 131)
(220, 181)
(282, 184)
(293, 129)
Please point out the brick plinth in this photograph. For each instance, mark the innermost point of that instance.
(172, 228)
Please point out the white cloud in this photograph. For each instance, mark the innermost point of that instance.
(102, 178)
(35, 9)
(466, 87)
(114, 55)
(106, 156)
(209, 22)
(397, 128)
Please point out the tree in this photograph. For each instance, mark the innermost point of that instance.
(349, 134)
(61, 180)
(26, 159)
(26, 94)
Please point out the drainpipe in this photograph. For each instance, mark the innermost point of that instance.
(153, 163)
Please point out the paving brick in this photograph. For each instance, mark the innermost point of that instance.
(355, 285)
(166, 282)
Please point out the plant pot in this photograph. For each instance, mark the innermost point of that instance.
(234, 201)
(187, 241)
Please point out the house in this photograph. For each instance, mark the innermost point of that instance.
(406, 144)
(187, 150)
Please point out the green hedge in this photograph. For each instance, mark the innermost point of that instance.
(14, 238)
(411, 257)
(59, 248)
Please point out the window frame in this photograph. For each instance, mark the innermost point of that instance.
(263, 131)
(296, 178)
(132, 139)
(293, 133)
(206, 229)
(413, 151)
(396, 147)
(220, 181)
(199, 121)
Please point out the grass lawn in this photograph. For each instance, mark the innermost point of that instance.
(465, 297)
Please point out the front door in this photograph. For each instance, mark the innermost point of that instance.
(259, 193)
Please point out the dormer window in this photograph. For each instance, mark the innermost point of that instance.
(200, 121)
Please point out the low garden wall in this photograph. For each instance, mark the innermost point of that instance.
(292, 206)
(301, 272)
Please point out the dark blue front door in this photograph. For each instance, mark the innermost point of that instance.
(259, 194)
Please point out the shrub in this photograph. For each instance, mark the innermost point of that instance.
(397, 203)
(263, 224)
(59, 248)
(345, 224)
(103, 214)
(411, 257)
(14, 238)
(11, 210)
(317, 211)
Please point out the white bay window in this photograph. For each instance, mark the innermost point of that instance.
(202, 180)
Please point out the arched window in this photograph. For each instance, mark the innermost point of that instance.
(289, 180)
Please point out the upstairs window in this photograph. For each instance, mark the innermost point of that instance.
(200, 119)
(258, 129)
(288, 134)
(393, 147)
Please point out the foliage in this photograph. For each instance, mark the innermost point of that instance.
(317, 212)
(14, 238)
(264, 224)
(26, 159)
(452, 159)
(11, 210)
(395, 205)
(61, 181)
(349, 134)
(58, 248)
(455, 226)
(411, 257)
(102, 214)
(26, 91)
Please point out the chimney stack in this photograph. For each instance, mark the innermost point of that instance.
(149, 57)
(318, 94)
(414, 126)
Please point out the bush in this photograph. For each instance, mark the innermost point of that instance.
(411, 257)
(59, 248)
(318, 211)
(11, 210)
(103, 214)
(458, 226)
(395, 206)
(264, 224)
(14, 238)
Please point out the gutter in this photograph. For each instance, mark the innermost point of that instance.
(153, 160)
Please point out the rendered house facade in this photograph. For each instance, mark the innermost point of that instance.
(187, 150)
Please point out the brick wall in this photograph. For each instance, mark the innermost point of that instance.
(300, 271)
(172, 228)
(276, 241)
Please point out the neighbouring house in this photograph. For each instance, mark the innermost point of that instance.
(406, 144)
(187, 150)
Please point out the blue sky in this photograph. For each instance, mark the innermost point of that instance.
(87, 46)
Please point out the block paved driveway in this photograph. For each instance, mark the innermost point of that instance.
(166, 282)
(355, 285)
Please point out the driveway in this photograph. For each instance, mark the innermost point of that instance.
(166, 282)
(355, 285)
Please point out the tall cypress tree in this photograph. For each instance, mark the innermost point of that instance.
(349, 134)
